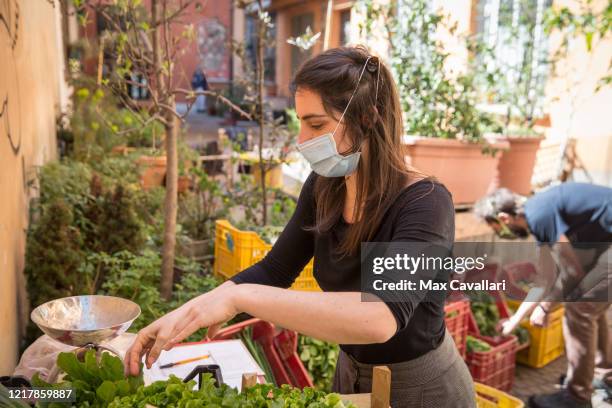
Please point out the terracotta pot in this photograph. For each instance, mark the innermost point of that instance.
(462, 167)
(184, 183)
(516, 164)
(153, 171)
(122, 150)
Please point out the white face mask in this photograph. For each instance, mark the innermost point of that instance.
(322, 152)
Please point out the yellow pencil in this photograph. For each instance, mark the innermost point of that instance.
(187, 360)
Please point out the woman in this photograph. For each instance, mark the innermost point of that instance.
(346, 102)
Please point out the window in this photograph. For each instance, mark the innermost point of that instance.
(512, 29)
(250, 35)
(345, 27)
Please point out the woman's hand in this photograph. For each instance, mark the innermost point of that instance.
(210, 310)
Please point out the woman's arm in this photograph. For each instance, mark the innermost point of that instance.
(340, 317)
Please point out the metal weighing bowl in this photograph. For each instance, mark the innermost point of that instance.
(81, 320)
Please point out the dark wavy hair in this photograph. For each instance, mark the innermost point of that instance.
(370, 121)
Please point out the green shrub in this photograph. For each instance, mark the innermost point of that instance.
(98, 124)
(117, 169)
(53, 255)
(76, 215)
(66, 181)
(113, 222)
(435, 102)
(198, 209)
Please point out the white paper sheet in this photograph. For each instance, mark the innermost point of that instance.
(231, 355)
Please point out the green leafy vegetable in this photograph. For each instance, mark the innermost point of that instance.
(103, 384)
(258, 354)
(175, 393)
(96, 383)
(522, 334)
(485, 313)
(477, 345)
(319, 358)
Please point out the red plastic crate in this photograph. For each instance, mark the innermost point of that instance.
(496, 366)
(456, 317)
(286, 345)
(488, 272)
(280, 348)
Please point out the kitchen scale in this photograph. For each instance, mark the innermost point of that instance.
(85, 322)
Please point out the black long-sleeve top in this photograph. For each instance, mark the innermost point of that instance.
(422, 212)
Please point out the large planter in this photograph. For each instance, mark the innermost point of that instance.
(516, 164)
(153, 171)
(462, 167)
(122, 150)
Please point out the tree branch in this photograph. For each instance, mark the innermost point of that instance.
(192, 94)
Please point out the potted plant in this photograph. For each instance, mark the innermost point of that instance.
(153, 167)
(444, 127)
(199, 207)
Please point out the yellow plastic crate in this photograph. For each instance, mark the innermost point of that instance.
(489, 397)
(546, 343)
(236, 250)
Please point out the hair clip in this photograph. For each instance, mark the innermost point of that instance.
(372, 64)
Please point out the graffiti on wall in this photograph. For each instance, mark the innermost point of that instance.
(9, 20)
(212, 48)
(9, 85)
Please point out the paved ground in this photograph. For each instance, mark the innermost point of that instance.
(199, 128)
(531, 381)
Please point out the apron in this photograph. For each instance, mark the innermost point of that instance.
(437, 379)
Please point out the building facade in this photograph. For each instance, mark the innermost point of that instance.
(33, 93)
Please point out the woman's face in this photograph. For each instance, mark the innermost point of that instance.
(314, 121)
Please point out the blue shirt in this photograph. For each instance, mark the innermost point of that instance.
(580, 211)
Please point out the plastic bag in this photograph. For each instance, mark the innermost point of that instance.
(40, 356)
